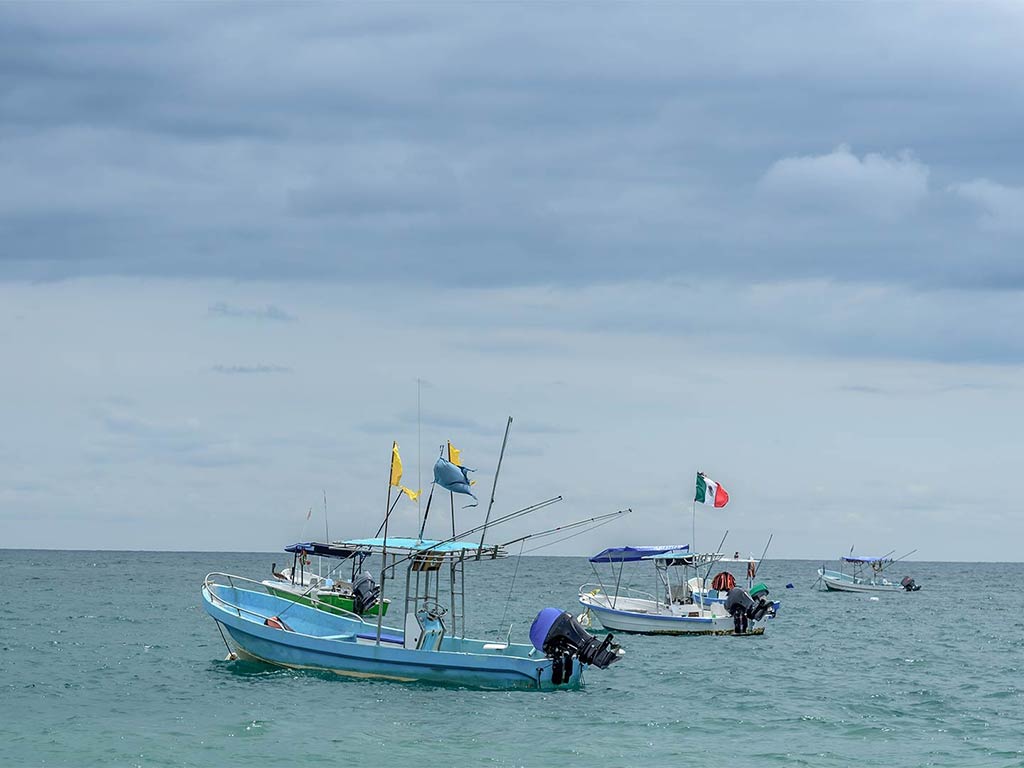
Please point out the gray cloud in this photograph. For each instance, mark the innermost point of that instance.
(1001, 206)
(841, 182)
(233, 370)
(503, 146)
(268, 312)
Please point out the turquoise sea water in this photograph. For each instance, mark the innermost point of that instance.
(106, 658)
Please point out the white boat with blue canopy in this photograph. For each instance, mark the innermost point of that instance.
(866, 574)
(259, 625)
(675, 605)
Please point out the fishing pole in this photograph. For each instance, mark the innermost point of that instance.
(494, 485)
(570, 536)
(763, 553)
(506, 518)
(901, 558)
(566, 527)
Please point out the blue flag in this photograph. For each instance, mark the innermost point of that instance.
(452, 478)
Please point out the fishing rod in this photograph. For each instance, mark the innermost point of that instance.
(763, 553)
(593, 527)
(504, 519)
(566, 527)
(901, 558)
(494, 485)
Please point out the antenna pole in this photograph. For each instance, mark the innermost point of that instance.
(327, 533)
(494, 485)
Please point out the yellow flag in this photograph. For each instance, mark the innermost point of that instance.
(396, 466)
(413, 495)
(454, 455)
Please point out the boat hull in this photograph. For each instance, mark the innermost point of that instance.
(836, 581)
(629, 616)
(321, 641)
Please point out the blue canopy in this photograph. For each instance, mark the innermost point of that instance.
(631, 554)
(323, 550)
(853, 559)
(398, 542)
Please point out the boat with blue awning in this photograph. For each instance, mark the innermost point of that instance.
(675, 605)
(860, 573)
(328, 592)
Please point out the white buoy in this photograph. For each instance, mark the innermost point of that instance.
(873, 598)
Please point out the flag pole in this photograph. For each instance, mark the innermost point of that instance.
(693, 518)
(327, 532)
(384, 547)
(451, 563)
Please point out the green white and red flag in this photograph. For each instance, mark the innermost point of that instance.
(709, 492)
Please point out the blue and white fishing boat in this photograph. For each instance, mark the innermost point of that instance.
(867, 574)
(259, 625)
(674, 606)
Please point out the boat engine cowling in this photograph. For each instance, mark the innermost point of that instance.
(739, 601)
(558, 635)
(909, 584)
(365, 593)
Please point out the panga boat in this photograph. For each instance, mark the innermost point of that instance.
(328, 593)
(279, 630)
(867, 574)
(675, 607)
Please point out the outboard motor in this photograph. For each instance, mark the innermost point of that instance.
(558, 635)
(909, 584)
(365, 593)
(763, 606)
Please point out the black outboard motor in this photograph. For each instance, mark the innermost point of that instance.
(365, 593)
(739, 605)
(558, 635)
(909, 584)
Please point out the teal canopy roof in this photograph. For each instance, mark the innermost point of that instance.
(413, 545)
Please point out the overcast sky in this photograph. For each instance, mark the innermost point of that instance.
(781, 243)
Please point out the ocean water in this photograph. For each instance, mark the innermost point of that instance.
(106, 658)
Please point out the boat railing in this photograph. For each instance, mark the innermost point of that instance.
(598, 590)
(211, 581)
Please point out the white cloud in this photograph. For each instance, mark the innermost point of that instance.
(840, 182)
(1002, 207)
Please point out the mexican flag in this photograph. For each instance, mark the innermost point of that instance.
(709, 492)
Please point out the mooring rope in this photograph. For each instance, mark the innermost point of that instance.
(231, 654)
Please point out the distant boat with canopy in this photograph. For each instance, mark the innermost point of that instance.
(675, 605)
(331, 593)
(683, 599)
(860, 573)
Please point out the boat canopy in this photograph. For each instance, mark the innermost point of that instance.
(852, 559)
(323, 550)
(398, 544)
(682, 556)
(631, 554)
